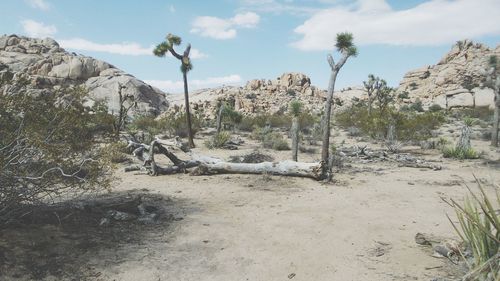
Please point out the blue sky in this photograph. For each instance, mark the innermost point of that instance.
(237, 40)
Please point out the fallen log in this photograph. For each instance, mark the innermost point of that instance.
(206, 165)
(283, 168)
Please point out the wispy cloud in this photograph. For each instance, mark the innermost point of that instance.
(39, 4)
(277, 7)
(125, 48)
(38, 29)
(172, 9)
(177, 86)
(431, 23)
(221, 29)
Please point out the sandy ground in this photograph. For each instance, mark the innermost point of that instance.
(254, 227)
(258, 227)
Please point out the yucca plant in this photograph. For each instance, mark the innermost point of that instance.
(479, 228)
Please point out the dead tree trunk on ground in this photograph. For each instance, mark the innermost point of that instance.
(210, 165)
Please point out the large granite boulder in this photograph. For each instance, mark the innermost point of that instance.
(48, 66)
(431, 84)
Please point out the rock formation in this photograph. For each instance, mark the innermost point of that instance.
(457, 75)
(262, 96)
(47, 66)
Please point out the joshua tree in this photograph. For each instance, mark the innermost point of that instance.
(372, 87)
(346, 48)
(295, 110)
(493, 82)
(120, 120)
(168, 46)
(220, 112)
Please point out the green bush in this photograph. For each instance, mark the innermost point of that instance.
(417, 106)
(116, 152)
(409, 125)
(270, 139)
(306, 121)
(458, 153)
(176, 125)
(483, 113)
(218, 140)
(435, 108)
(404, 95)
(49, 148)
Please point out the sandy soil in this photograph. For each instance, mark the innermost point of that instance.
(257, 227)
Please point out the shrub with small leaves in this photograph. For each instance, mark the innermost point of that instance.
(218, 140)
(458, 153)
(435, 108)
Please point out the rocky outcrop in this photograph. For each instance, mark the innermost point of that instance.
(47, 66)
(449, 77)
(260, 96)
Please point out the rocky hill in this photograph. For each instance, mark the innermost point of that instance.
(262, 96)
(47, 66)
(452, 76)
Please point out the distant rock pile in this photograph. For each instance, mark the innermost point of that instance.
(48, 66)
(433, 83)
(260, 96)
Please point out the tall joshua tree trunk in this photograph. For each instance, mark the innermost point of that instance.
(219, 118)
(494, 132)
(327, 116)
(188, 114)
(295, 138)
(347, 48)
(295, 110)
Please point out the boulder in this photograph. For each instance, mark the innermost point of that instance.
(431, 84)
(50, 67)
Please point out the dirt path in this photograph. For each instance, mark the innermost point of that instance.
(239, 227)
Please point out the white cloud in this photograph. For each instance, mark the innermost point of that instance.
(277, 7)
(218, 28)
(125, 48)
(431, 23)
(171, 9)
(39, 4)
(197, 54)
(177, 86)
(38, 29)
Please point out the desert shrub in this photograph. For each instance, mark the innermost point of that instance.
(417, 106)
(229, 116)
(479, 228)
(483, 113)
(306, 121)
(270, 139)
(435, 108)
(459, 153)
(146, 124)
(404, 95)
(218, 140)
(116, 152)
(409, 125)
(176, 125)
(48, 148)
(439, 143)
